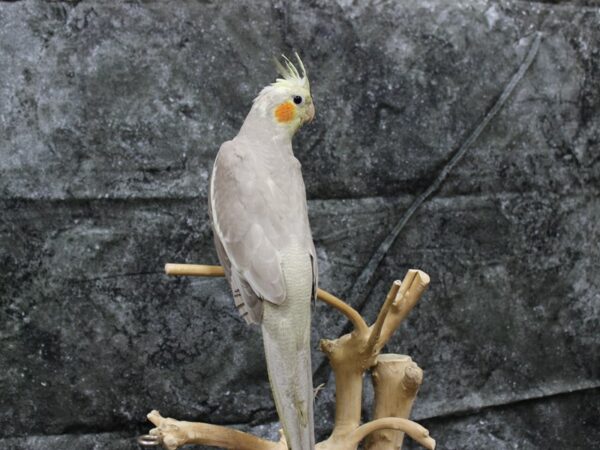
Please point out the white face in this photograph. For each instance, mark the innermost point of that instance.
(287, 102)
(293, 107)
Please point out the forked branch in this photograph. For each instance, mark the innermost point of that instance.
(350, 355)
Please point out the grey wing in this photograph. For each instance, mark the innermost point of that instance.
(312, 251)
(246, 302)
(252, 264)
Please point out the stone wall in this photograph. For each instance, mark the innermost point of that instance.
(110, 116)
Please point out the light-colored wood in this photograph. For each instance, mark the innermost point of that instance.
(377, 327)
(177, 433)
(354, 353)
(396, 379)
(351, 314)
(199, 270)
(350, 356)
(413, 429)
(194, 270)
(413, 286)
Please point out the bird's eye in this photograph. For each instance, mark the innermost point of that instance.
(297, 99)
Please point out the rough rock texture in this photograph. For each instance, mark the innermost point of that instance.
(110, 116)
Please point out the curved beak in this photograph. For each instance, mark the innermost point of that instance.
(311, 113)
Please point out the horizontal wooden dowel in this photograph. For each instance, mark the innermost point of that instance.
(203, 270)
(194, 270)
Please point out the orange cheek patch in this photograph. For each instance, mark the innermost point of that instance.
(285, 112)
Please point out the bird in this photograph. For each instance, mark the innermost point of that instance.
(259, 216)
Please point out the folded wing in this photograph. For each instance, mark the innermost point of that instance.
(251, 261)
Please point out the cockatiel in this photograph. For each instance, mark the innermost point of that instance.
(257, 204)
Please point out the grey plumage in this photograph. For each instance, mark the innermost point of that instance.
(257, 204)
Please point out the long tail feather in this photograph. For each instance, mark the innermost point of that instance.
(286, 337)
(290, 374)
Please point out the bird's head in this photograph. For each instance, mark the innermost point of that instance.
(287, 101)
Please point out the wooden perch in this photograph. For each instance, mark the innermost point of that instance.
(350, 355)
(396, 379)
(198, 270)
(177, 433)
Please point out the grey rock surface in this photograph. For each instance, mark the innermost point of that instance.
(111, 115)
